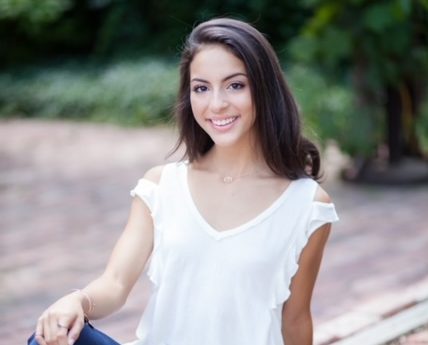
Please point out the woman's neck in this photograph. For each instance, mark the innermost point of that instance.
(234, 161)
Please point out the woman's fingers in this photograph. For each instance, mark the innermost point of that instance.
(54, 330)
(38, 335)
(52, 337)
(47, 332)
(63, 325)
(76, 328)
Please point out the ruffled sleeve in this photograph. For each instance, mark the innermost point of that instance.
(319, 214)
(147, 191)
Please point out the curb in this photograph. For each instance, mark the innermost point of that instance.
(391, 328)
(378, 321)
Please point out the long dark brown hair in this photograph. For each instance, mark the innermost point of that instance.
(277, 122)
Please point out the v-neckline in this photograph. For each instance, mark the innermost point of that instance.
(219, 234)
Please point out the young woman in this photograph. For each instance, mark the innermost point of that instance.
(236, 231)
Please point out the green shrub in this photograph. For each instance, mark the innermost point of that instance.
(329, 112)
(130, 92)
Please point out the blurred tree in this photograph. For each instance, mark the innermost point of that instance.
(384, 46)
(31, 29)
(31, 16)
(161, 25)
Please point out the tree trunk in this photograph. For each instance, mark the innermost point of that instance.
(401, 111)
(394, 130)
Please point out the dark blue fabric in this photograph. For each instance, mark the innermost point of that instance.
(88, 336)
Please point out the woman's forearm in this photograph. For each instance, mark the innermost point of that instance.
(102, 297)
(298, 331)
(109, 292)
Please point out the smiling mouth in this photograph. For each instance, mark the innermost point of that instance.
(224, 122)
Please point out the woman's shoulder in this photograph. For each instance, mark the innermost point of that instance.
(319, 194)
(154, 174)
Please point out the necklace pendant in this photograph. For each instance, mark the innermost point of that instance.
(228, 179)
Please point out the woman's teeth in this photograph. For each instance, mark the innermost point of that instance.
(224, 122)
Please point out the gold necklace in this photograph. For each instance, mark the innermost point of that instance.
(227, 179)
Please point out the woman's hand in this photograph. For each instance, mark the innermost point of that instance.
(62, 322)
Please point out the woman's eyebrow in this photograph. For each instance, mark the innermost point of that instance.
(224, 79)
(234, 75)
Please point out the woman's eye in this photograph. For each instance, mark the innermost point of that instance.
(200, 88)
(236, 86)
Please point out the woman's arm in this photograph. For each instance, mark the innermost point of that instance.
(296, 315)
(62, 322)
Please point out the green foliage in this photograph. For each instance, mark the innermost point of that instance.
(375, 45)
(390, 37)
(33, 13)
(132, 92)
(161, 26)
(329, 111)
(31, 29)
(34, 29)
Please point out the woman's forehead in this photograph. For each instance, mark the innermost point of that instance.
(216, 61)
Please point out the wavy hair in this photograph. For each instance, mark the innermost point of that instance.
(277, 120)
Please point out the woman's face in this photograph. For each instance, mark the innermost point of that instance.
(220, 96)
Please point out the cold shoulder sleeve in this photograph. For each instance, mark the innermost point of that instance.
(318, 214)
(147, 191)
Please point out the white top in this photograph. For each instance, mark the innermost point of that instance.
(228, 287)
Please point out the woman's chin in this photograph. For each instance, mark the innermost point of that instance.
(228, 141)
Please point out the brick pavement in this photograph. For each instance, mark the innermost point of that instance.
(64, 200)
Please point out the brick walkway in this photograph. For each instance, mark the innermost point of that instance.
(64, 200)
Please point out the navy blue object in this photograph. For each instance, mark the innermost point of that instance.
(89, 336)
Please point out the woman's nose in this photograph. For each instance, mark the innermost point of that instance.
(218, 102)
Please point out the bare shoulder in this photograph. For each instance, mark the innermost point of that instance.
(154, 174)
(322, 196)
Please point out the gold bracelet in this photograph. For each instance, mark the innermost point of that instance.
(91, 305)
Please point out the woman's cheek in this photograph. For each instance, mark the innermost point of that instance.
(197, 107)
